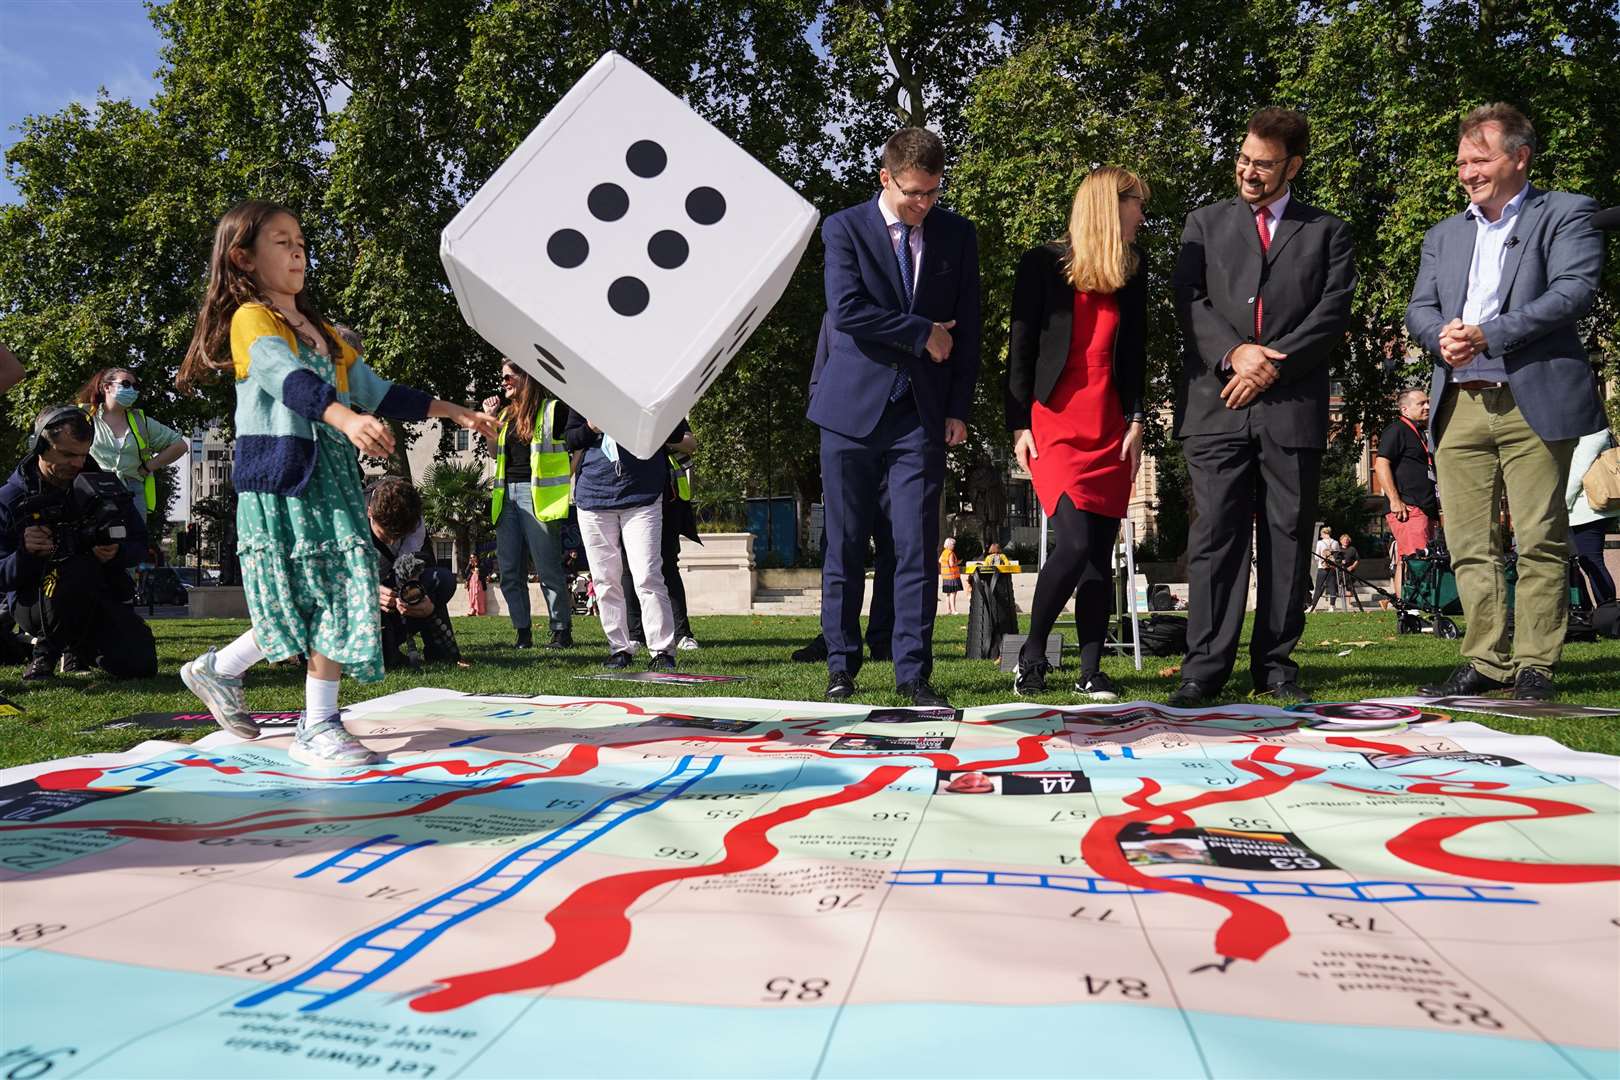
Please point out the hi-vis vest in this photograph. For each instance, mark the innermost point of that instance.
(548, 470)
(136, 422)
(681, 467)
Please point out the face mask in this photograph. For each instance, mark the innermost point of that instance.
(126, 396)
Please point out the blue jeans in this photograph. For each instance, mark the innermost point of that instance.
(519, 535)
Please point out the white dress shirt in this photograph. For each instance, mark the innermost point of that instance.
(1484, 301)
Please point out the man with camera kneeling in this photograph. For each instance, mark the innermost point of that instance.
(415, 597)
(68, 534)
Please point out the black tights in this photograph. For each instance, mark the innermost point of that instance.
(1081, 561)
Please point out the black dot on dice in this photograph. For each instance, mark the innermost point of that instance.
(646, 158)
(667, 249)
(568, 248)
(705, 205)
(628, 296)
(608, 202)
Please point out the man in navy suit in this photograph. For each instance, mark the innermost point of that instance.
(902, 283)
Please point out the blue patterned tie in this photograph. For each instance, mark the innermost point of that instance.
(902, 380)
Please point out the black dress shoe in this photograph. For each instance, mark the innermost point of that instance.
(561, 639)
(813, 653)
(1189, 695)
(1466, 681)
(922, 695)
(663, 661)
(42, 665)
(840, 687)
(525, 639)
(1533, 684)
(618, 661)
(1283, 693)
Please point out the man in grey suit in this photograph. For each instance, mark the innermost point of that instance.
(1499, 290)
(1263, 286)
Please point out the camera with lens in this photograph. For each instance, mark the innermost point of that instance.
(408, 579)
(88, 515)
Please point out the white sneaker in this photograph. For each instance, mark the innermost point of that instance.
(1097, 687)
(328, 745)
(222, 695)
(687, 644)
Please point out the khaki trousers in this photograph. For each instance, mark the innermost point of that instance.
(1485, 445)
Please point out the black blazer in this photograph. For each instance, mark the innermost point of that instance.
(1043, 323)
(1306, 279)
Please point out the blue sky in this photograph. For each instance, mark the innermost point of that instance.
(56, 52)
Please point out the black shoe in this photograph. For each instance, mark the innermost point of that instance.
(661, 662)
(42, 665)
(1190, 694)
(840, 687)
(618, 661)
(813, 653)
(1466, 681)
(525, 639)
(561, 639)
(1282, 694)
(1533, 684)
(922, 695)
(1097, 687)
(75, 664)
(1030, 678)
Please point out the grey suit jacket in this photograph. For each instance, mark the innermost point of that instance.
(1306, 281)
(1549, 277)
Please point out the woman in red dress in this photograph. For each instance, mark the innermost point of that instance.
(1074, 405)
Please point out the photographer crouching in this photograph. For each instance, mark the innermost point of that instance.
(414, 596)
(69, 531)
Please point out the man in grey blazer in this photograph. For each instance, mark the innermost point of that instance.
(1499, 290)
(1263, 284)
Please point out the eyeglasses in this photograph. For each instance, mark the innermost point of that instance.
(507, 376)
(921, 196)
(1244, 161)
(131, 383)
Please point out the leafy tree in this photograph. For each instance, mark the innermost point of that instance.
(455, 498)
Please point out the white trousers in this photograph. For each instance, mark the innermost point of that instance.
(641, 530)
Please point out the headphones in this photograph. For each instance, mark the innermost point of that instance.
(60, 416)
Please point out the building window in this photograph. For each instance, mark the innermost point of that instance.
(463, 438)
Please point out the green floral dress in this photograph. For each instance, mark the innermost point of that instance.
(308, 565)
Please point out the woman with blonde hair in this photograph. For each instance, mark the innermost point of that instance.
(1074, 405)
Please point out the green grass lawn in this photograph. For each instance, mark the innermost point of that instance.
(57, 714)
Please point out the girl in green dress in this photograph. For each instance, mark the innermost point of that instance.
(309, 568)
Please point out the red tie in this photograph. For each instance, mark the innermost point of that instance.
(1265, 245)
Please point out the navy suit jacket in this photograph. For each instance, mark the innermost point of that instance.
(1550, 276)
(870, 335)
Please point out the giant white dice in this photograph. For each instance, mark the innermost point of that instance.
(625, 252)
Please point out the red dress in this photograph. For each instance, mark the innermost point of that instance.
(1080, 429)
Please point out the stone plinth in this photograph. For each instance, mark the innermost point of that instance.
(719, 574)
(217, 602)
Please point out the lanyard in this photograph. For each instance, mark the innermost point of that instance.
(1427, 454)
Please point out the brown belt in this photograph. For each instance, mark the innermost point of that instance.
(1479, 384)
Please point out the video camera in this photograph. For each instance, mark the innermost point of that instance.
(89, 515)
(408, 578)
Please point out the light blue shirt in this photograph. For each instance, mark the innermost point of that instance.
(892, 220)
(1484, 300)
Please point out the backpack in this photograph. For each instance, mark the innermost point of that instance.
(1602, 481)
(1606, 619)
(1164, 635)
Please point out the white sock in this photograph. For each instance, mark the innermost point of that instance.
(320, 701)
(234, 659)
